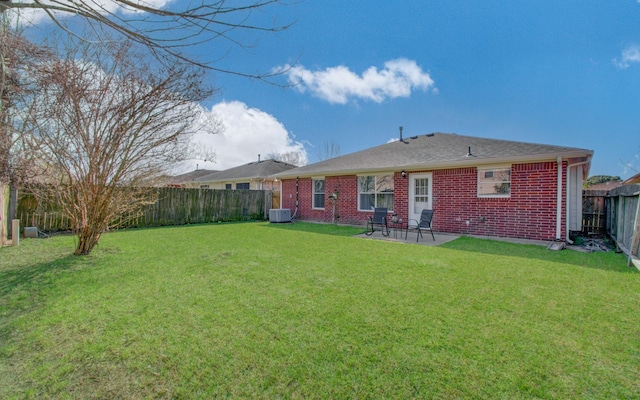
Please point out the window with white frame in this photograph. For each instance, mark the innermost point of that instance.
(375, 191)
(318, 193)
(494, 182)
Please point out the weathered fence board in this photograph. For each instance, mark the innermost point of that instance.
(594, 216)
(173, 206)
(623, 219)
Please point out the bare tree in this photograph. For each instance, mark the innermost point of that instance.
(105, 126)
(296, 158)
(328, 149)
(16, 54)
(166, 27)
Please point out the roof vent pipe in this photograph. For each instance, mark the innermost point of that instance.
(258, 157)
(401, 134)
(469, 153)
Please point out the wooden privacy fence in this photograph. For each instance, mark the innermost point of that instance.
(593, 211)
(623, 219)
(174, 206)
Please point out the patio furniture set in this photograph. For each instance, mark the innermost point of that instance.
(380, 222)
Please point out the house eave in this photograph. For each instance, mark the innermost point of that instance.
(259, 179)
(464, 163)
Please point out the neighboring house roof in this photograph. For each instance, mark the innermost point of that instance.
(633, 179)
(605, 185)
(191, 176)
(180, 180)
(253, 170)
(437, 150)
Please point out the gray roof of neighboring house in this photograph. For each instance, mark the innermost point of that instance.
(253, 170)
(190, 176)
(433, 151)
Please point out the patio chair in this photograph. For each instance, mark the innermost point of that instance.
(424, 224)
(378, 222)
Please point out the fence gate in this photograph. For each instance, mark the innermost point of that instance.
(594, 216)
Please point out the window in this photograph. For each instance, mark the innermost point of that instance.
(375, 191)
(244, 185)
(494, 182)
(318, 193)
(227, 186)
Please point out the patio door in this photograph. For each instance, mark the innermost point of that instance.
(420, 194)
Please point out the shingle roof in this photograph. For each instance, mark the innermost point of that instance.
(190, 176)
(633, 179)
(252, 170)
(432, 151)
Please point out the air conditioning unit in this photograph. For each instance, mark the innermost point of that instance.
(279, 215)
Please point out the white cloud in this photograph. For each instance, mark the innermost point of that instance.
(631, 54)
(37, 15)
(247, 133)
(398, 78)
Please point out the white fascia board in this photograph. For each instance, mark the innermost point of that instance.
(468, 162)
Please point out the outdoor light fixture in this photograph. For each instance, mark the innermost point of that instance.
(403, 173)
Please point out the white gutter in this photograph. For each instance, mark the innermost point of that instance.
(569, 166)
(432, 166)
(559, 200)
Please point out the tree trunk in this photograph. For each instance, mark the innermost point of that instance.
(88, 238)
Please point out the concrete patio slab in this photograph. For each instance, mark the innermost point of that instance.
(441, 238)
(425, 240)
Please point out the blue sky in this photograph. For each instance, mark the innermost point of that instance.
(555, 72)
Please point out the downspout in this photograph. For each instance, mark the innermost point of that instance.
(295, 213)
(569, 166)
(559, 200)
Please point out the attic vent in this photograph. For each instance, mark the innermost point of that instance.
(430, 135)
(414, 137)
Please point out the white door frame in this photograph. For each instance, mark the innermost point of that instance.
(416, 207)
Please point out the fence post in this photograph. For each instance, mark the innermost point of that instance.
(15, 231)
(635, 241)
(4, 211)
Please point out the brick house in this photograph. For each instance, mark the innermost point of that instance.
(474, 185)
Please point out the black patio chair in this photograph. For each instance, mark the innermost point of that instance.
(378, 222)
(424, 224)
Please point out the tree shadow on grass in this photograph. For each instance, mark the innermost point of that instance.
(324, 229)
(22, 286)
(607, 261)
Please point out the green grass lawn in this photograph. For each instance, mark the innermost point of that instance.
(304, 311)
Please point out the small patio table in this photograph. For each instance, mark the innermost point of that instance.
(398, 225)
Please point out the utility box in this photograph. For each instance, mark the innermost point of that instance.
(30, 232)
(279, 215)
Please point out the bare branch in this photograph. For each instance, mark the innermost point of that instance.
(166, 31)
(296, 158)
(328, 149)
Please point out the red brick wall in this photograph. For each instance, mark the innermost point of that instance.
(530, 212)
(347, 206)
